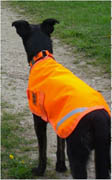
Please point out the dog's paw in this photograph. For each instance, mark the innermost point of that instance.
(38, 171)
(61, 167)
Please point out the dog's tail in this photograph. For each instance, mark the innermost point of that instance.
(102, 145)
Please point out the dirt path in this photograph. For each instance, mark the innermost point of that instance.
(15, 76)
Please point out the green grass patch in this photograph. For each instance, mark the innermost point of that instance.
(6, 105)
(12, 142)
(85, 25)
(15, 168)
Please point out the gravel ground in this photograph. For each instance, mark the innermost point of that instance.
(15, 72)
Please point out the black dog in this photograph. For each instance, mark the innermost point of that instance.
(93, 130)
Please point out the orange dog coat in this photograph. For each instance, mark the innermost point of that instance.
(59, 97)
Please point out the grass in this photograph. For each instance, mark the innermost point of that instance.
(11, 143)
(15, 168)
(14, 143)
(84, 25)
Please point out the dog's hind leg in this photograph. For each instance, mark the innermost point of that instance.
(40, 129)
(78, 155)
(79, 145)
(60, 164)
(102, 144)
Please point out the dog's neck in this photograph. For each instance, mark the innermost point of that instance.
(40, 56)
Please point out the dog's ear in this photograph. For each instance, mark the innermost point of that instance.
(22, 27)
(47, 26)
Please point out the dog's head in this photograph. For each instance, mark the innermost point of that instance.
(35, 37)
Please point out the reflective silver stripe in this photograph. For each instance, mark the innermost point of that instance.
(69, 115)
